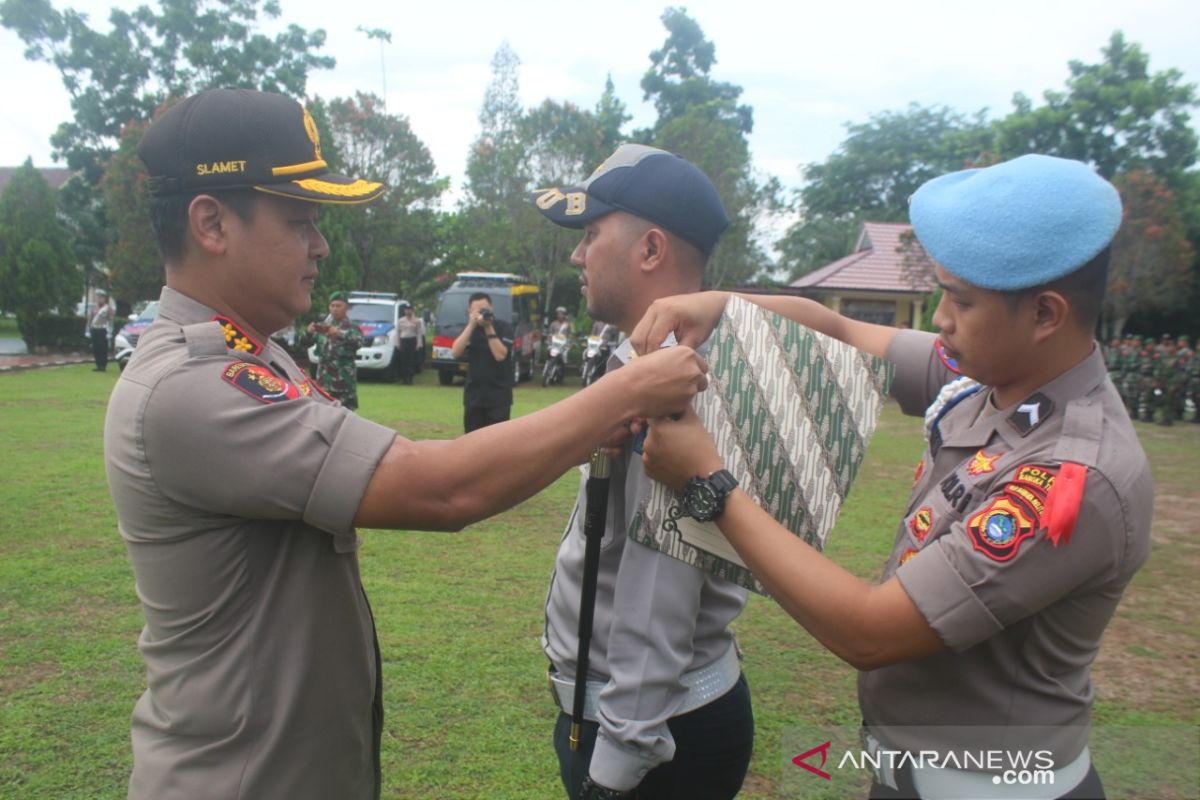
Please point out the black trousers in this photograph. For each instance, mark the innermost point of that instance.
(713, 745)
(1090, 788)
(476, 417)
(100, 347)
(408, 359)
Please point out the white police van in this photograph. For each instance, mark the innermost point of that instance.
(376, 315)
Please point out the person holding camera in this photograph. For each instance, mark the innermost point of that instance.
(338, 340)
(486, 343)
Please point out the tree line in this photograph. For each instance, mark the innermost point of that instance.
(1131, 124)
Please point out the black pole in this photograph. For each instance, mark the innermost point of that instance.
(594, 519)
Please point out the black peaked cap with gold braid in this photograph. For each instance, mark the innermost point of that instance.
(226, 139)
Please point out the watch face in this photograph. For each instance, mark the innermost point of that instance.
(700, 501)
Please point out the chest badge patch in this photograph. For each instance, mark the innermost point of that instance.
(982, 463)
(259, 382)
(998, 530)
(921, 522)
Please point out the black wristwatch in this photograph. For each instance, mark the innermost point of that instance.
(594, 791)
(704, 498)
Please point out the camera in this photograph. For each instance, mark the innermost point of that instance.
(486, 315)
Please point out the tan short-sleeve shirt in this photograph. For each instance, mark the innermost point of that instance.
(235, 482)
(1019, 591)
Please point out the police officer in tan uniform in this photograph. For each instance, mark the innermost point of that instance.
(239, 485)
(1031, 506)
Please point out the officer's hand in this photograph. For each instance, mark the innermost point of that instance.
(677, 450)
(661, 383)
(691, 317)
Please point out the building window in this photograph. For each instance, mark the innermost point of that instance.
(880, 312)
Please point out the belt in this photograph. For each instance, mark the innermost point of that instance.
(703, 686)
(947, 783)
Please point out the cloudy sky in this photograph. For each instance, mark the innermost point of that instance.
(806, 68)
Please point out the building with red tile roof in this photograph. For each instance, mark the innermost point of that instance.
(887, 279)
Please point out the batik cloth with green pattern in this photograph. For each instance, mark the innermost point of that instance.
(791, 411)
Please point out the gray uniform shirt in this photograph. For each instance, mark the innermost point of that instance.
(235, 483)
(1022, 616)
(656, 618)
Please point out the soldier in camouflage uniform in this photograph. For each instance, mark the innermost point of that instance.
(1189, 367)
(1129, 374)
(337, 346)
(1147, 358)
(1169, 381)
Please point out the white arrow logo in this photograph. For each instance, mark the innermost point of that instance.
(1032, 410)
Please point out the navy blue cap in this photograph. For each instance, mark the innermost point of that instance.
(1018, 224)
(657, 186)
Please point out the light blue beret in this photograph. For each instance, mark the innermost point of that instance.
(1018, 224)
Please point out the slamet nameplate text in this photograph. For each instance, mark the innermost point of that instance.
(220, 167)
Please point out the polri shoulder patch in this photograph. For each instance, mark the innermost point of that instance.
(259, 382)
(237, 339)
(1030, 414)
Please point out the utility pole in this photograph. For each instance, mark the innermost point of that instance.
(383, 36)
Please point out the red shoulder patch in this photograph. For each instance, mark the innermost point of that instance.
(259, 382)
(998, 530)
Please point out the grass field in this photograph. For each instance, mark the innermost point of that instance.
(459, 615)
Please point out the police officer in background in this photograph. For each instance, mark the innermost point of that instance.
(408, 330)
(99, 327)
(239, 486)
(664, 675)
(1032, 503)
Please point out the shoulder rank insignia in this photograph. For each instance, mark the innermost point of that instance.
(237, 339)
(259, 382)
(1031, 413)
(998, 530)
(981, 462)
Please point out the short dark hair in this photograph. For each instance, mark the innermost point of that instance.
(1084, 289)
(480, 296)
(169, 217)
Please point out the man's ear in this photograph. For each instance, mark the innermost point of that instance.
(206, 221)
(654, 245)
(1051, 312)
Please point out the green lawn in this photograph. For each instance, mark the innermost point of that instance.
(459, 615)
(8, 329)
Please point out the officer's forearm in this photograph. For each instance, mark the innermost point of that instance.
(866, 625)
(446, 485)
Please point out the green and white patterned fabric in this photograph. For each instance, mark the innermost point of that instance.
(791, 411)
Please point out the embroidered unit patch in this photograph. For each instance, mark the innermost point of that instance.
(259, 382)
(921, 522)
(998, 530)
(920, 472)
(907, 556)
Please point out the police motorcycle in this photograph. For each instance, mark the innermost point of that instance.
(556, 359)
(595, 357)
